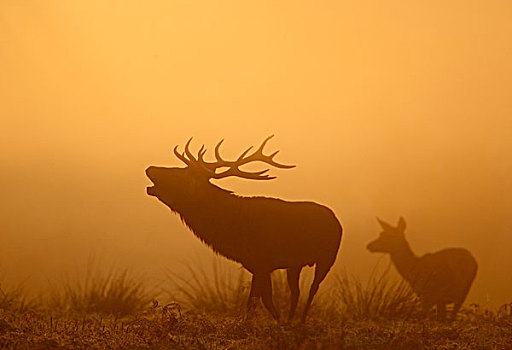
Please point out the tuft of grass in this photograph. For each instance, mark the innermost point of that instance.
(381, 297)
(110, 292)
(214, 288)
(15, 299)
(364, 316)
(221, 288)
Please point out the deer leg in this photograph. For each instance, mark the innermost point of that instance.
(266, 294)
(456, 308)
(293, 275)
(321, 271)
(254, 295)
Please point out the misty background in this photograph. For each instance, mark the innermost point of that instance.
(387, 109)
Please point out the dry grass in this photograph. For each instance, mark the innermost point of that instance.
(221, 288)
(209, 288)
(108, 292)
(166, 327)
(111, 311)
(381, 297)
(15, 299)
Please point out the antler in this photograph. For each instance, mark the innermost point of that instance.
(244, 159)
(234, 170)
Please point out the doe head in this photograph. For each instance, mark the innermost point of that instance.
(390, 239)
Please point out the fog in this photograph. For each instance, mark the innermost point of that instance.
(388, 109)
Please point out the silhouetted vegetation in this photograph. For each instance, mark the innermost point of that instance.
(221, 288)
(204, 308)
(15, 299)
(210, 288)
(381, 297)
(107, 292)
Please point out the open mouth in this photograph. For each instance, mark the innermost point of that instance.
(151, 190)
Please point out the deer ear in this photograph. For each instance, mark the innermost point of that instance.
(401, 224)
(383, 224)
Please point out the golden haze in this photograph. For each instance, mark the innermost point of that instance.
(387, 108)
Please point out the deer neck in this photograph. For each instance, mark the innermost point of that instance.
(204, 213)
(199, 203)
(405, 261)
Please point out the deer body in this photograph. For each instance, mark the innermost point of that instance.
(261, 233)
(264, 233)
(439, 278)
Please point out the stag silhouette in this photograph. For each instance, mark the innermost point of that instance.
(261, 233)
(440, 278)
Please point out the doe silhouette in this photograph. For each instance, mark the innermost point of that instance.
(261, 233)
(439, 278)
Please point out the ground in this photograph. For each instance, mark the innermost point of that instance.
(168, 327)
(205, 309)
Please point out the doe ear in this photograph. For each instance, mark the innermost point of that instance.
(383, 224)
(401, 224)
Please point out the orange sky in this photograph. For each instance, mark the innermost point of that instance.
(387, 108)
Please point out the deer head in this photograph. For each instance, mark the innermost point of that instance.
(178, 184)
(390, 239)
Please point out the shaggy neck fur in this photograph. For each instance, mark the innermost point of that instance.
(204, 213)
